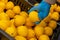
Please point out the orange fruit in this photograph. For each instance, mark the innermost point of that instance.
(4, 24)
(24, 14)
(39, 30)
(22, 31)
(34, 16)
(52, 24)
(48, 31)
(44, 37)
(11, 31)
(10, 13)
(28, 23)
(31, 33)
(55, 16)
(19, 20)
(16, 10)
(20, 38)
(10, 5)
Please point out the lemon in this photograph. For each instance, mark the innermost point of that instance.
(38, 30)
(2, 5)
(28, 23)
(4, 16)
(44, 37)
(53, 24)
(48, 31)
(12, 21)
(19, 20)
(32, 39)
(10, 5)
(1, 10)
(24, 14)
(55, 16)
(36, 4)
(22, 31)
(33, 16)
(31, 33)
(58, 9)
(17, 10)
(4, 24)
(53, 7)
(5, 1)
(20, 38)
(11, 31)
(10, 13)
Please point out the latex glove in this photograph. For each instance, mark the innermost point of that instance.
(42, 5)
(43, 9)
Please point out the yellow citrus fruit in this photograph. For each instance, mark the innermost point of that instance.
(24, 14)
(33, 16)
(12, 21)
(28, 23)
(10, 13)
(38, 30)
(53, 7)
(36, 4)
(31, 33)
(1, 10)
(5, 1)
(10, 5)
(58, 9)
(4, 24)
(17, 10)
(48, 31)
(20, 38)
(55, 16)
(4, 16)
(44, 37)
(53, 24)
(32, 39)
(2, 5)
(22, 31)
(42, 23)
(19, 20)
(11, 31)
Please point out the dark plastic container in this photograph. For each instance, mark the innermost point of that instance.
(3, 34)
(25, 5)
(56, 34)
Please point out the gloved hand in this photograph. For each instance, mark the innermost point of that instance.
(43, 8)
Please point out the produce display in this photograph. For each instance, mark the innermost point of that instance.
(21, 25)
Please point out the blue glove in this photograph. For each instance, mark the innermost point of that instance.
(43, 9)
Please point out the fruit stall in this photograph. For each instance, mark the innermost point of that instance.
(16, 23)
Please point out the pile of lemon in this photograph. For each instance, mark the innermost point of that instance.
(21, 26)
